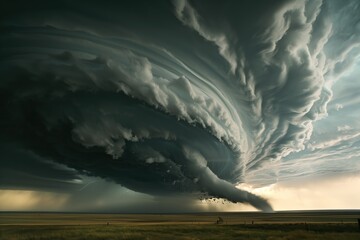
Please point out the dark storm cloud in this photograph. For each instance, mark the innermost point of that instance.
(166, 97)
(22, 169)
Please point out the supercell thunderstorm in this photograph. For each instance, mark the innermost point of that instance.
(176, 97)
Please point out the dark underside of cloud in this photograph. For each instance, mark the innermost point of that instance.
(162, 98)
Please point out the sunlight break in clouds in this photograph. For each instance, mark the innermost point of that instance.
(22, 200)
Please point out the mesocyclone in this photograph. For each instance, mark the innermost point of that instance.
(174, 97)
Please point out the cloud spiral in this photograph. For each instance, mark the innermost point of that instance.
(198, 110)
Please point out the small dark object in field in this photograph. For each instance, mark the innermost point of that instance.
(107, 223)
(359, 223)
(219, 220)
(252, 222)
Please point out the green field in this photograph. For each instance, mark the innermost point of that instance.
(33, 226)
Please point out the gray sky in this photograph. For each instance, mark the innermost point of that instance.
(139, 106)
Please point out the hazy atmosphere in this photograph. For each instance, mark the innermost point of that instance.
(179, 106)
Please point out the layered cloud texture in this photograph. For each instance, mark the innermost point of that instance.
(181, 97)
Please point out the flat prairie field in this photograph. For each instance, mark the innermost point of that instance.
(243, 225)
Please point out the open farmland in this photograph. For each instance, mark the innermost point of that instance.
(283, 225)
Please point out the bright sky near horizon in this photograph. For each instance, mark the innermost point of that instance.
(139, 106)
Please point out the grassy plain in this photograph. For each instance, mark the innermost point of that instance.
(292, 225)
